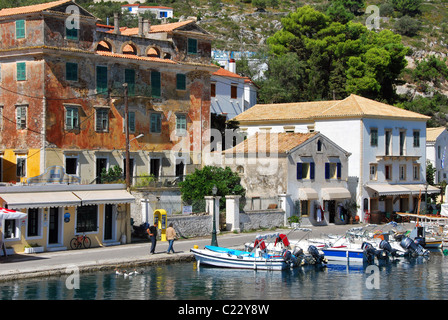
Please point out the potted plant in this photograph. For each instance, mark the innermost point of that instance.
(33, 248)
(294, 221)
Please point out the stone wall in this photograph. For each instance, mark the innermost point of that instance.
(192, 226)
(266, 219)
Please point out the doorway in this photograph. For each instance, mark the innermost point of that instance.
(101, 163)
(108, 222)
(331, 207)
(53, 227)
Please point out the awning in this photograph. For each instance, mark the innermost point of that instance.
(104, 197)
(389, 189)
(416, 188)
(21, 200)
(335, 193)
(11, 214)
(399, 189)
(308, 194)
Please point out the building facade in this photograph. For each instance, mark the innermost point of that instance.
(436, 153)
(160, 12)
(63, 101)
(308, 167)
(387, 144)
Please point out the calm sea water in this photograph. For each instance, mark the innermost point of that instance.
(422, 279)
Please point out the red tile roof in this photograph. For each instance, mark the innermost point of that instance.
(130, 56)
(30, 9)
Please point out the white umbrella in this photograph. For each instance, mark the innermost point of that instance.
(11, 214)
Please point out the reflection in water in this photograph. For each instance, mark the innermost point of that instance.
(414, 279)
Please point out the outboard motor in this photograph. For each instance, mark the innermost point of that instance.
(297, 252)
(420, 240)
(317, 256)
(412, 248)
(289, 257)
(369, 252)
(385, 245)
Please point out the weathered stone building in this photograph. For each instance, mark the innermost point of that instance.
(62, 95)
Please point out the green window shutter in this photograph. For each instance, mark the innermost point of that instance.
(181, 124)
(20, 29)
(71, 33)
(129, 78)
(181, 81)
(156, 123)
(192, 46)
(131, 121)
(101, 79)
(71, 71)
(102, 119)
(21, 71)
(155, 84)
(72, 118)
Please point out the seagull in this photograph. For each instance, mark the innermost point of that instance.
(118, 272)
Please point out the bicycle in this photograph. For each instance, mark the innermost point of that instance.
(79, 241)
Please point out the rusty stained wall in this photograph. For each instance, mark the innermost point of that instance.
(33, 34)
(204, 50)
(195, 102)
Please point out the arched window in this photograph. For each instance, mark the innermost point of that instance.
(130, 49)
(104, 46)
(153, 53)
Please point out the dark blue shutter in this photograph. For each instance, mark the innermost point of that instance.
(327, 170)
(338, 170)
(299, 170)
(311, 170)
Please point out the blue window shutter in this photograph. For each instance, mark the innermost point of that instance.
(327, 170)
(312, 170)
(299, 171)
(338, 170)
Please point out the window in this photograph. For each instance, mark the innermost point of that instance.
(192, 46)
(10, 230)
(388, 142)
(181, 124)
(20, 29)
(21, 115)
(402, 172)
(71, 117)
(233, 91)
(181, 81)
(33, 226)
(416, 171)
(102, 119)
(439, 153)
(131, 122)
(333, 170)
(416, 135)
(373, 171)
(155, 167)
(101, 79)
(156, 123)
(213, 90)
(129, 78)
(319, 145)
(87, 218)
(305, 170)
(71, 71)
(71, 33)
(402, 142)
(156, 84)
(388, 172)
(304, 205)
(21, 167)
(374, 137)
(71, 165)
(21, 71)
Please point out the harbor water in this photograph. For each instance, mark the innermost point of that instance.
(420, 279)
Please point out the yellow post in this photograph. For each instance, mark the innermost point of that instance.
(162, 222)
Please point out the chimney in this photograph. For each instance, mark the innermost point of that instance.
(116, 24)
(232, 65)
(140, 26)
(146, 27)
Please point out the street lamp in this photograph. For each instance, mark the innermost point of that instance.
(426, 197)
(214, 239)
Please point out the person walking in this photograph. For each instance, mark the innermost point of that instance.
(170, 236)
(152, 231)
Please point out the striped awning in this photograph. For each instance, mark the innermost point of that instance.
(401, 189)
(417, 188)
(92, 197)
(308, 194)
(21, 200)
(335, 193)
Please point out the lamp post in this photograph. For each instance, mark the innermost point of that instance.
(426, 197)
(126, 119)
(214, 239)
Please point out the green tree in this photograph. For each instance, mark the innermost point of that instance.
(407, 26)
(200, 183)
(407, 7)
(431, 69)
(332, 60)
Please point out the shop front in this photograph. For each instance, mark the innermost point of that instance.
(58, 213)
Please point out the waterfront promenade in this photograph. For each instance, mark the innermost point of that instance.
(134, 255)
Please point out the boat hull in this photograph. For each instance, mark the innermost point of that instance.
(238, 259)
(434, 244)
(344, 254)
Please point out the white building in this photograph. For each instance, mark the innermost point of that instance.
(387, 144)
(436, 153)
(159, 11)
(231, 94)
